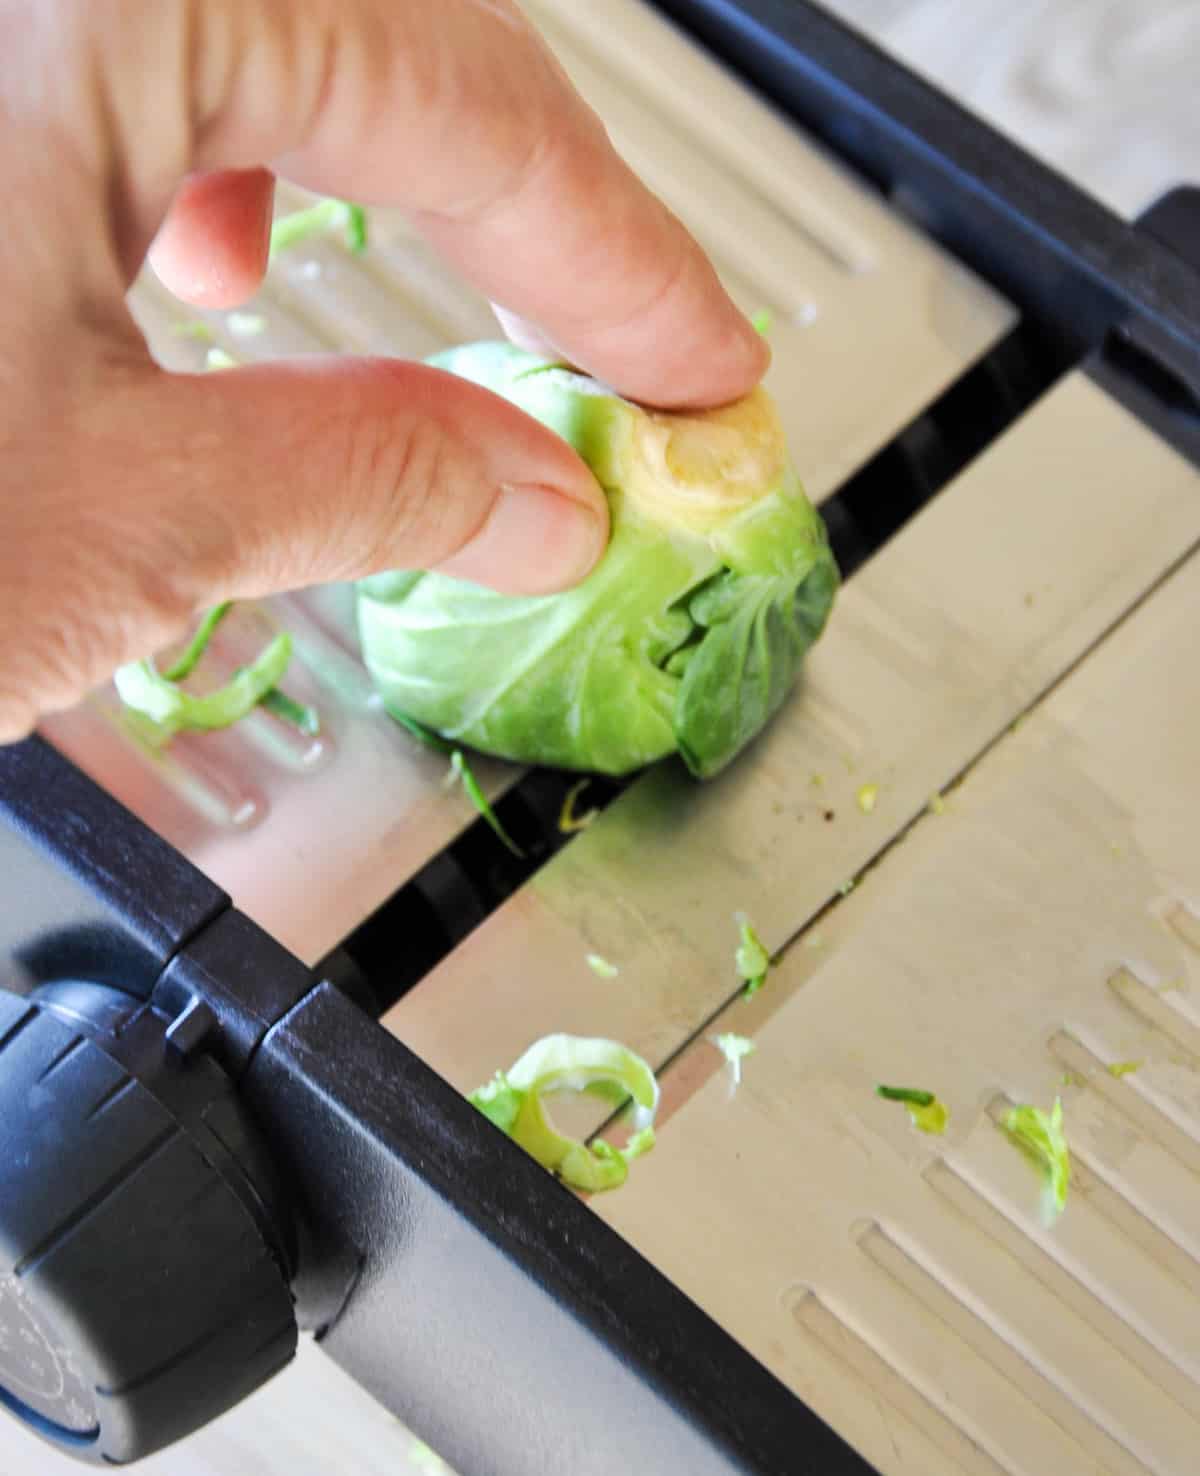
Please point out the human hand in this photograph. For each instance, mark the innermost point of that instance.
(130, 498)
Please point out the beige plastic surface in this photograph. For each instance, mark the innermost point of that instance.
(871, 322)
(904, 1285)
(1044, 927)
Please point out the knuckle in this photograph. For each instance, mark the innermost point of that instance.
(418, 477)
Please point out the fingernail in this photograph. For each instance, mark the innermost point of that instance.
(535, 541)
(524, 334)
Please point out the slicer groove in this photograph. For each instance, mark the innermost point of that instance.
(887, 1382)
(1156, 1121)
(973, 1201)
(1133, 1218)
(1185, 924)
(1152, 1006)
(1004, 1353)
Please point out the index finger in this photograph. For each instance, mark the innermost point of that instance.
(457, 111)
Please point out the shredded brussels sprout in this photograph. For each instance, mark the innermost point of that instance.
(752, 959)
(514, 1102)
(568, 820)
(460, 770)
(1041, 1138)
(173, 709)
(928, 1114)
(325, 215)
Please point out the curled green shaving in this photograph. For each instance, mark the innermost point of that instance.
(145, 689)
(157, 696)
(514, 1102)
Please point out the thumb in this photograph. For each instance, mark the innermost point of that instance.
(328, 469)
(177, 492)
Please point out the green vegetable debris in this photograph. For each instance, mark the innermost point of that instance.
(167, 707)
(514, 1102)
(928, 1113)
(461, 771)
(325, 215)
(569, 820)
(686, 638)
(752, 959)
(1040, 1137)
(601, 966)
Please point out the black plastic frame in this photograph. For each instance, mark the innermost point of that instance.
(1082, 271)
(446, 1272)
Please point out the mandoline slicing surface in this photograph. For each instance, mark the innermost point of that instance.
(1043, 928)
(904, 1286)
(871, 322)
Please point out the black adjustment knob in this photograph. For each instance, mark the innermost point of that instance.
(145, 1250)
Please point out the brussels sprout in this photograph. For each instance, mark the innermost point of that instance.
(686, 637)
